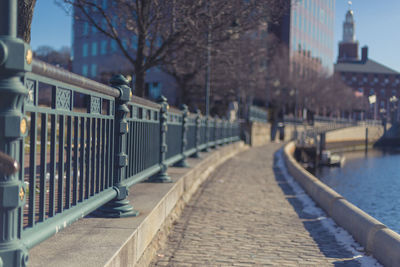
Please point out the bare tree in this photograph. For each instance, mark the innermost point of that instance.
(145, 31)
(25, 15)
(169, 32)
(60, 58)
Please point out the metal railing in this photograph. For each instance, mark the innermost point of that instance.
(257, 114)
(70, 146)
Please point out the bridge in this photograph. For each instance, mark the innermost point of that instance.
(72, 149)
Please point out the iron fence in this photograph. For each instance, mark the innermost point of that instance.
(257, 114)
(70, 146)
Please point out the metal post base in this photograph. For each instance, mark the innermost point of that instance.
(160, 178)
(196, 155)
(116, 209)
(182, 164)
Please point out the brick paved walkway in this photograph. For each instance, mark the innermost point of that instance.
(247, 215)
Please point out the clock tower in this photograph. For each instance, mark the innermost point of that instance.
(348, 47)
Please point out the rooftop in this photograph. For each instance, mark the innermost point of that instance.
(369, 66)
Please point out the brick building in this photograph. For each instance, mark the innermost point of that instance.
(368, 78)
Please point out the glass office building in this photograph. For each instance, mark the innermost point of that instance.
(310, 35)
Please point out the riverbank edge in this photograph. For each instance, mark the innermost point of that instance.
(343, 147)
(375, 237)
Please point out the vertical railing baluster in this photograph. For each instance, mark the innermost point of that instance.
(215, 132)
(93, 155)
(88, 156)
(109, 156)
(82, 159)
(75, 162)
(208, 135)
(67, 204)
(32, 170)
(98, 156)
(103, 155)
(53, 157)
(185, 113)
(162, 176)
(43, 168)
(197, 140)
(61, 143)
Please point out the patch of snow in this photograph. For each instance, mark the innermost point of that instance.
(341, 235)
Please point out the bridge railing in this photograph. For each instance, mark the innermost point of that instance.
(70, 146)
(257, 114)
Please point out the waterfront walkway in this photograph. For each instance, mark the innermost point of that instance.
(246, 214)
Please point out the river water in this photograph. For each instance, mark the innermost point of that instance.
(371, 182)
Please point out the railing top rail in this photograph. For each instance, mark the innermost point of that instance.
(175, 111)
(50, 71)
(144, 102)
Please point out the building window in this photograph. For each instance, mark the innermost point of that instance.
(94, 49)
(94, 29)
(93, 70)
(84, 70)
(382, 92)
(85, 49)
(85, 28)
(125, 43)
(365, 79)
(134, 42)
(103, 47)
(376, 79)
(154, 90)
(113, 45)
(371, 91)
(104, 4)
(104, 24)
(393, 92)
(354, 78)
(382, 103)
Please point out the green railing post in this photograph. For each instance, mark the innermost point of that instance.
(162, 176)
(215, 145)
(120, 206)
(185, 113)
(15, 60)
(197, 139)
(207, 148)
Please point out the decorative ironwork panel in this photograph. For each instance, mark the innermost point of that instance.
(31, 86)
(95, 105)
(63, 99)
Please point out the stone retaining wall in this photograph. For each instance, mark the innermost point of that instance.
(375, 237)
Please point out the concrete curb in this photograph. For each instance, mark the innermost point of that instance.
(375, 237)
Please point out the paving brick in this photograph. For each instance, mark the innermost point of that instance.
(246, 215)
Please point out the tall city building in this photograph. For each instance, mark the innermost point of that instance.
(368, 78)
(96, 56)
(308, 31)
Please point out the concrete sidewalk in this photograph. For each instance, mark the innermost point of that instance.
(246, 214)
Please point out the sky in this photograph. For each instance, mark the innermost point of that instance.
(377, 23)
(51, 26)
(377, 26)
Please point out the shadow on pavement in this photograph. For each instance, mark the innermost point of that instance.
(326, 241)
